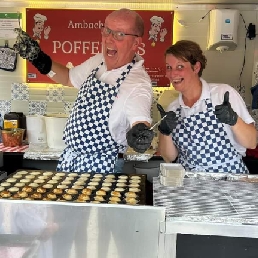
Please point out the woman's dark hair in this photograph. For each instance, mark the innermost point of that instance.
(188, 51)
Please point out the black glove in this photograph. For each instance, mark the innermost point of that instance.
(168, 124)
(139, 137)
(29, 49)
(225, 113)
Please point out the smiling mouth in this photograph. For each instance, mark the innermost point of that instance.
(176, 81)
(111, 52)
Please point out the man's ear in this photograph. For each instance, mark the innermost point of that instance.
(137, 41)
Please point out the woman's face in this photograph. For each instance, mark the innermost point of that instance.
(180, 73)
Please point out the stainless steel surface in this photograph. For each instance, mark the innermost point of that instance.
(42, 154)
(208, 204)
(83, 230)
(210, 197)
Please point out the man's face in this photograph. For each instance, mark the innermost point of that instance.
(118, 53)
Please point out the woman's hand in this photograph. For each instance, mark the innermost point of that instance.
(224, 112)
(169, 123)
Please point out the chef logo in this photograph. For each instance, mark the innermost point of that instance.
(39, 27)
(155, 32)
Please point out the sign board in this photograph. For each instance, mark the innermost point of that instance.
(8, 22)
(72, 36)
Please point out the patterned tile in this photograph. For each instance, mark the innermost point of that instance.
(55, 93)
(20, 91)
(255, 74)
(156, 94)
(241, 91)
(5, 107)
(254, 115)
(37, 107)
(154, 113)
(249, 108)
(68, 107)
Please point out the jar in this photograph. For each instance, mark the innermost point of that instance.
(12, 137)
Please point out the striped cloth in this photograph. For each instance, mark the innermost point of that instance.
(13, 149)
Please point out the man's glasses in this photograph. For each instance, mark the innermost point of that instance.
(118, 35)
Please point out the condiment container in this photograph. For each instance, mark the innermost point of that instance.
(15, 120)
(171, 174)
(55, 124)
(12, 137)
(36, 131)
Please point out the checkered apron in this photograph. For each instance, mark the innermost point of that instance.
(204, 145)
(90, 146)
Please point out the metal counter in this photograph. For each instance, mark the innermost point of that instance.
(46, 229)
(209, 204)
(42, 154)
(38, 153)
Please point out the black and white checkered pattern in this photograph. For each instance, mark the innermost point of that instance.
(96, 162)
(90, 144)
(204, 145)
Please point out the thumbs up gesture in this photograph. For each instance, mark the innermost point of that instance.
(169, 123)
(225, 113)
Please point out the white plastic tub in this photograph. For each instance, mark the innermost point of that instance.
(55, 124)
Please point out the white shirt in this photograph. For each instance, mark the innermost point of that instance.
(216, 93)
(134, 99)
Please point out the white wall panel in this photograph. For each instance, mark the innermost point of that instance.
(224, 68)
(20, 106)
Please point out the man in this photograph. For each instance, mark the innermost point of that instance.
(114, 94)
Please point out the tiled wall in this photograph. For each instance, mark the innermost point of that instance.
(54, 98)
(35, 100)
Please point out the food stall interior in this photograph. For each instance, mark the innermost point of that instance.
(209, 216)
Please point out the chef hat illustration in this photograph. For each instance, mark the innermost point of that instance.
(39, 17)
(156, 20)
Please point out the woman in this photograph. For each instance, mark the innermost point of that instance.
(208, 127)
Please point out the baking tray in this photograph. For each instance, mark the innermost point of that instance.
(42, 185)
(216, 197)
